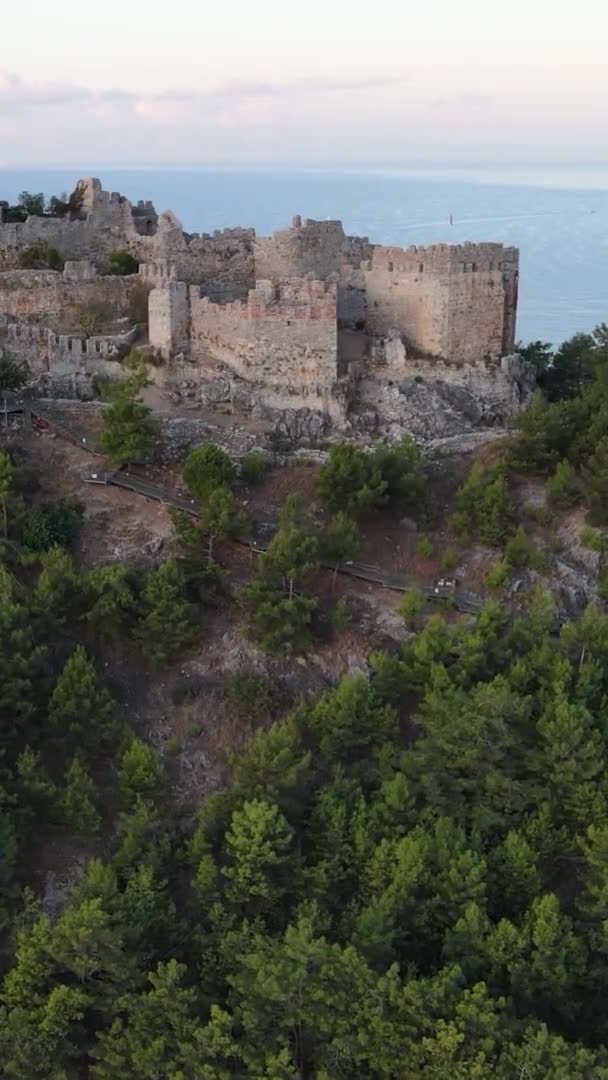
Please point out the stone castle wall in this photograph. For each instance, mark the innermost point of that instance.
(50, 297)
(222, 263)
(284, 338)
(453, 302)
(319, 248)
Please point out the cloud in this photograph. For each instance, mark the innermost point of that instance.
(16, 95)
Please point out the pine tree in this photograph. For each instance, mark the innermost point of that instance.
(7, 472)
(340, 540)
(167, 620)
(596, 483)
(350, 480)
(78, 799)
(259, 867)
(139, 774)
(207, 467)
(80, 710)
(130, 430)
(221, 517)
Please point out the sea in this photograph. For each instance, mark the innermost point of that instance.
(556, 215)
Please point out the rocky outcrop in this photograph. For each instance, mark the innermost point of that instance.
(436, 400)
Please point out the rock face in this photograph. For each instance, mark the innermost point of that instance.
(437, 401)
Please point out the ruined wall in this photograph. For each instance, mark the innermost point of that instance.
(49, 297)
(456, 302)
(107, 221)
(321, 248)
(169, 317)
(283, 338)
(222, 264)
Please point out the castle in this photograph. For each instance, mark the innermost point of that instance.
(301, 324)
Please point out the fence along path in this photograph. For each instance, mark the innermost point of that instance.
(375, 575)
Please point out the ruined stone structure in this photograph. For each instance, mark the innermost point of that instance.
(307, 320)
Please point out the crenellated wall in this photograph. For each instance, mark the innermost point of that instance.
(454, 302)
(43, 350)
(50, 296)
(284, 338)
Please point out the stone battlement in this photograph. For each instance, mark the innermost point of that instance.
(299, 299)
(466, 258)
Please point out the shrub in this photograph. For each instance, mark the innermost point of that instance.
(40, 257)
(122, 263)
(424, 547)
(484, 509)
(350, 480)
(497, 574)
(253, 468)
(591, 538)
(520, 552)
(206, 468)
(412, 603)
(341, 614)
(449, 559)
(562, 487)
(12, 374)
(248, 695)
(55, 524)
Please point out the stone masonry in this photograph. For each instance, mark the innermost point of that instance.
(307, 319)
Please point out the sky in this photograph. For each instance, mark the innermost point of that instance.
(337, 81)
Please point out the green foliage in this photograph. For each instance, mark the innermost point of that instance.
(221, 517)
(350, 481)
(545, 432)
(498, 574)
(563, 490)
(411, 604)
(596, 483)
(400, 467)
(40, 257)
(206, 468)
(110, 592)
(449, 559)
(538, 353)
(520, 551)
(571, 367)
(249, 695)
(139, 775)
(78, 800)
(80, 711)
(424, 547)
(53, 525)
(33, 204)
(7, 473)
(120, 261)
(167, 620)
(591, 538)
(253, 469)
(13, 375)
(280, 616)
(280, 625)
(341, 616)
(484, 509)
(130, 430)
(340, 540)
